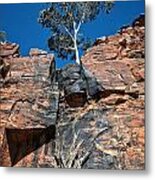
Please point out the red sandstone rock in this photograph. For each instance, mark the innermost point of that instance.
(118, 64)
(37, 52)
(9, 50)
(119, 67)
(26, 109)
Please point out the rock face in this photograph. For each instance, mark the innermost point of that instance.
(77, 118)
(9, 50)
(118, 64)
(78, 137)
(28, 110)
(78, 85)
(37, 52)
(4, 68)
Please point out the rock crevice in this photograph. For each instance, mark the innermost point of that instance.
(73, 118)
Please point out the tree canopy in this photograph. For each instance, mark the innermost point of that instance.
(64, 19)
(2, 36)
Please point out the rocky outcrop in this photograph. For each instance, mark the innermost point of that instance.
(37, 52)
(29, 106)
(9, 50)
(118, 63)
(77, 118)
(139, 21)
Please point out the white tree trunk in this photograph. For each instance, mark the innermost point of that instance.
(75, 44)
(77, 53)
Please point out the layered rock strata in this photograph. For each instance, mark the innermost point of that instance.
(73, 118)
(28, 108)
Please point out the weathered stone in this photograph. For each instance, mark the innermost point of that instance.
(105, 133)
(136, 54)
(101, 41)
(76, 99)
(37, 52)
(122, 78)
(123, 42)
(30, 117)
(94, 88)
(8, 50)
(140, 21)
(79, 85)
(95, 115)
(100, 160)
(78, 138)
(4, 69)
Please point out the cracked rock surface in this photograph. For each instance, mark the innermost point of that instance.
(67, 119)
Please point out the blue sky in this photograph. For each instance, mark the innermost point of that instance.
(20, 23)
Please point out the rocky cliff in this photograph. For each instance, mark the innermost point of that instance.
(73, 118)
(118, 64)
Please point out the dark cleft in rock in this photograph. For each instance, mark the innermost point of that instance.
(75, 94)
(77, 99)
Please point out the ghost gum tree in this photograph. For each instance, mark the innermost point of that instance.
(65, 19)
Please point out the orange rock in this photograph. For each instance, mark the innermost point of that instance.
(136, 123)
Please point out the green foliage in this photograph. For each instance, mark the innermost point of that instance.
(64, 19)
(108, 5)
(2, 36)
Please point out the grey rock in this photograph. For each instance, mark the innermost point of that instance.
(79, 85)
(86, 132)
(100, 160)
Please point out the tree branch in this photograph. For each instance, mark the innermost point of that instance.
(66, 29)
(74, 26)
(67, 48)
(81, 21)
(79, 25)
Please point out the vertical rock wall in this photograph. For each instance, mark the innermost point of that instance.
(118, 64)
(28, 107)
(92, 118)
